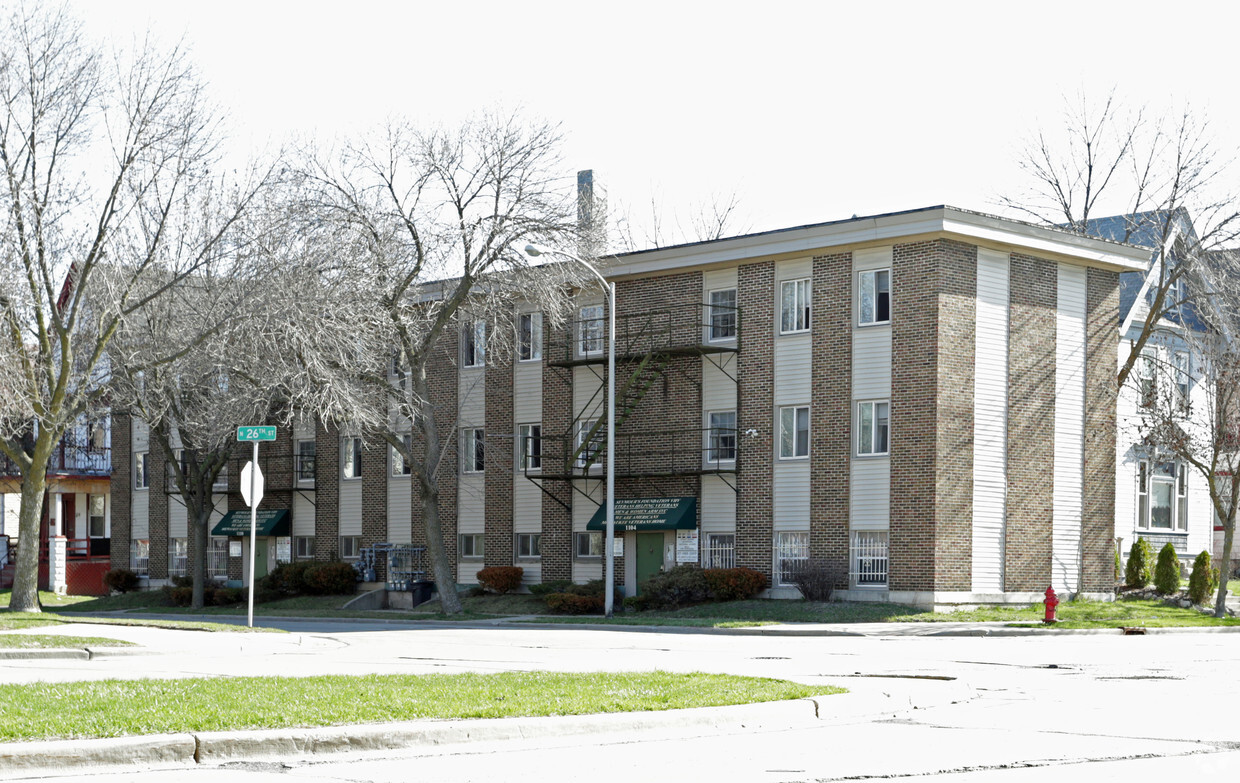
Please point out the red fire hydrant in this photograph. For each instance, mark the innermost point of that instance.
(1052, 601)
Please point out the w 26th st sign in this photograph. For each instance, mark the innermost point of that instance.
(252, 434)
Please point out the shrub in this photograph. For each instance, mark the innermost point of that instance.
(592, 588)
(684, 585)
(636, 603)
(179, 596)
(554, 586)
(1167, 572)
(331, 579)
(1137, 572)
(120, 580)
(816, 580)
(286, 579)
(570, 603)
(734, 584)
(1204, 579)
(226, 596)
(182, 581)
(501, 579)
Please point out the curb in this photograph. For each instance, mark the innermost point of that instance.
(72, 654)
(214, 748)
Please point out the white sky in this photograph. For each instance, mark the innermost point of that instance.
(809, 111)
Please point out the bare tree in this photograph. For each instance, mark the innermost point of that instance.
(412, 235)
(707, 221)
(1155, 172)
(101, 156)
(1204, 434)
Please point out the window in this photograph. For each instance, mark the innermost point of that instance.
(350, 547)
(874, 297)
(472, 546)
(351, 462)
(794, 306)
(97, 505)
(590, 331)
(98, 435)
(1183, 381)
(791, 555)
(217, 558)
(141, 478)
(474, 344)
(529, 545)
(399, 466)
(178, 557)
(873, 425)
(305, 459)
(473, 442)
(794, 432)
(588, 545)
(1162, 496)
(221, 480)
(140, 556)
(587, 456)
(1145, 379)
(529, 445)
(304, 547)
(869, 558)
(720, 551)
(529, 337)
(721, 437)
(723, 315)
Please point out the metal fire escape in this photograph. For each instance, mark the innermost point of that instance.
(648, 345)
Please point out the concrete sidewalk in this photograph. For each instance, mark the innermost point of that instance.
(864, 701)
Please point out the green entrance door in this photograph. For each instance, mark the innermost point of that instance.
(260, 558)
(649, 556)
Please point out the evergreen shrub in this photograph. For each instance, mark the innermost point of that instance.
(120, 580)
(337, 578)
(734, 584)
(1167, 572)
(1137, 573)
(553, 586)
(1203, 581)
(684, 585)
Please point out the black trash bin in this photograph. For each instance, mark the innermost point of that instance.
(421, 591)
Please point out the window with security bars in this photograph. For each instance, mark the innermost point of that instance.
(140, 556)
(868, 561)
(217, 558)
(791, 555)
(178, 557)
(720, 551)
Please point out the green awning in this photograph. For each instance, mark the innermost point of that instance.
(268, 522)
(649, 514)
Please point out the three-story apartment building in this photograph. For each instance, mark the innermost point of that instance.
(923, 401)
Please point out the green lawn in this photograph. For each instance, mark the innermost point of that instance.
(43, 641)
(113, 708)
(48, 600)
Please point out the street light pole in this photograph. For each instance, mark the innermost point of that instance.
(609, 558)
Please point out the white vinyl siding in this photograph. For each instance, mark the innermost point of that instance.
(140, 525)
(349, 504)
(790, 496)
(872, 363)
(1069, 428)
(303, 515)
(869, 496)
(990, 421)
(399, 506)
(583, 509)
(718, 505)
(471, 395)
(178, 525)
(471, 518)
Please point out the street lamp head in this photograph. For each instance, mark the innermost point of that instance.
(533, 250)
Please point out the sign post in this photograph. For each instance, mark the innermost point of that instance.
(253, 493)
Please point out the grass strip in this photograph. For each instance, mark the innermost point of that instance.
(44, 641)
(112, 708)
(21, 621)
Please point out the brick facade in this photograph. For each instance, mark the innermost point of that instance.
(755, 409)
(501, 450)
(157, 505)
(830, 449)
(326, 490)
(121, 491)
(1031, 422)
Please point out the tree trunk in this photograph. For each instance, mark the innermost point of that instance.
(1220, 602)
(199, 517)
(25, 595)
(445, 583)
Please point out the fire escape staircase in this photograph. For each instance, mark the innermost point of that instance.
(648, 370)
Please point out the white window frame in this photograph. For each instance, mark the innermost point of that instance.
(875, 428)
(1147, 379)
(1148, 477)
(354, 547)
(178, 557)
(529, 337)
(474, 344)
(141, 472)
(719, 451)
(725, 320)
(799, 319)
(140, 556)
(399, 466)
(588, 545)
(794, 451)
(791, 546)
(531, 543)
(217, 558)
(1183, 385)
(473, 441)
(869, 558)
(102, 517)
(596, 446)
(868, 282)
(301, 460)
(591, 330)
(303, 547)
(351, 459)
(471, 546)
(720, 551)
(529, 447)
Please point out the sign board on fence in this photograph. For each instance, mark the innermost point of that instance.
(686, 546)
(252, 433)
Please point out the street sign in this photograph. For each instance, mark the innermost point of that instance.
(249, 434)
(258, 484)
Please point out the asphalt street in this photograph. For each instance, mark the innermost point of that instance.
(1023, 708)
